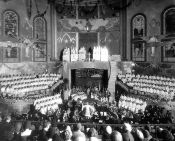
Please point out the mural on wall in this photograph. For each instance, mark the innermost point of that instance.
(169, 51)
(40, 28)
(65, 11)
(10, 23)
(66, 40)
(111, 40)
(108, 31)
(88, 12)
(68, 25)
(88, 40)
(138, 26)
(11, 54)
(106, 12)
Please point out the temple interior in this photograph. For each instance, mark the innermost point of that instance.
(84, 70)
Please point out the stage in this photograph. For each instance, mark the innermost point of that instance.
(79, 65)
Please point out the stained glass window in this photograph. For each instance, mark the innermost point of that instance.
(138, 26)
(40, 53)
(10, 23)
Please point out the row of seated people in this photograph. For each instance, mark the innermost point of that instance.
(25, 79)
(131, 103)
(27, 83)
(49, 103)
(151, 85)
(26, 76)
(71, 111)
(46, 131)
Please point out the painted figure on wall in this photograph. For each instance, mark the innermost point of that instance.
(10, 23)
(40, 28)
(11, 52)
(170, 50)
(138, 31)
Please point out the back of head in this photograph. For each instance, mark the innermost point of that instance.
(109, 129)
(116, 136)
(127, 127)
(78, 126)
(92, 132)
(166, 135)
(18, 126)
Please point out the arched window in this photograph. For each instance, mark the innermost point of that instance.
(10, 23)
(168, 29)
(40, 33)
(138, 30)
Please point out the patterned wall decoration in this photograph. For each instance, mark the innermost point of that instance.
(66, 40)
(111, 40)
(69, 24)
(138, 27)
(68, 11)
(87, 12)
(10, 23)
(106, 12)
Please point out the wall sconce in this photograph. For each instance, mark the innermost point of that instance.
(88, 26)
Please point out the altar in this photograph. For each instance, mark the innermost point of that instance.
(85, 66)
